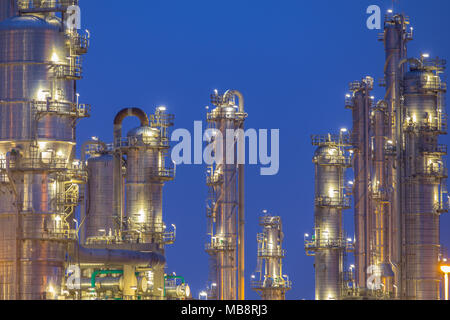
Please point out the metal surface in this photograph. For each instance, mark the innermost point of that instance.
(8, 8)
(425, 173)
(271, 283)
(328, 244)
(225, 212)
(99, 199)
(37, 138)
(399, 188)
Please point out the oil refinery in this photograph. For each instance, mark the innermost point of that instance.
(399, 183)
(94, 227)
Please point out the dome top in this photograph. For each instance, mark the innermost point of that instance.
(30, 22)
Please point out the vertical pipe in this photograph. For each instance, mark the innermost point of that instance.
(241, 233)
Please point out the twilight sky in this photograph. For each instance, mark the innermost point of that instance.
(291, 59)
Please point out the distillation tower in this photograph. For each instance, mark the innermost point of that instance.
(40, 62)
(114, 247)
(123, 207)
(328, 244)
(399, 190)
(225, 204)
(271, 283)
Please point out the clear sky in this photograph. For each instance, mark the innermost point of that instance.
(292, 60)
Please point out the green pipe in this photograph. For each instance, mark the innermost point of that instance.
(97, 272)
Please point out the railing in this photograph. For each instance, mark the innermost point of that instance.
(339, 202)
(332, 139)
(68, 72)
(438, 172)
(3, 177)
(218, 246)
(439, 124)
(62, 108)
(434, 84)
(349, 103)
(216, 115)
(437, 64)
(271, 253)
(269, 221)
(55, 234)
(274, 284)
(214, 179)
(161, 120)
(438, 149)
(43, 164)
(141, 141)
(79, 43)
(441, 207)
(334, 160)
(169, 237)
(164, 174)
(316, 244)
(46, 6)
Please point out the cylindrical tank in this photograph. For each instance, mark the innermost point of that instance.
(425, 172)
(328, 238)
(33, 242)
(143, 191)
(99, 199)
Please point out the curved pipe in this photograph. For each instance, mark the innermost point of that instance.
(117, 179)
(129, 112)
(240, 97)
(120, 257)
(409, 60)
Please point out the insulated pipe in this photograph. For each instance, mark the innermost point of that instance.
(120, 257)
(117, 179)
(18, 227)
(241, 208)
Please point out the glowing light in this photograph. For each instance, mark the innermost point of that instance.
(425, 55)
(60, 154)
(390, 11)
(141, 216)
(162, 108)
(42, 95)
(55, 57)
(57, 218)
(344, 130)
(94, 138)
(42, 145)
(445, 269)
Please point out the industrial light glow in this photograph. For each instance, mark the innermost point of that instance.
(445, 269)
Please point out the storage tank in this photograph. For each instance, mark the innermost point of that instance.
(99, 202)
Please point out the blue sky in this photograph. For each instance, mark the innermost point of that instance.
(291, 59)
